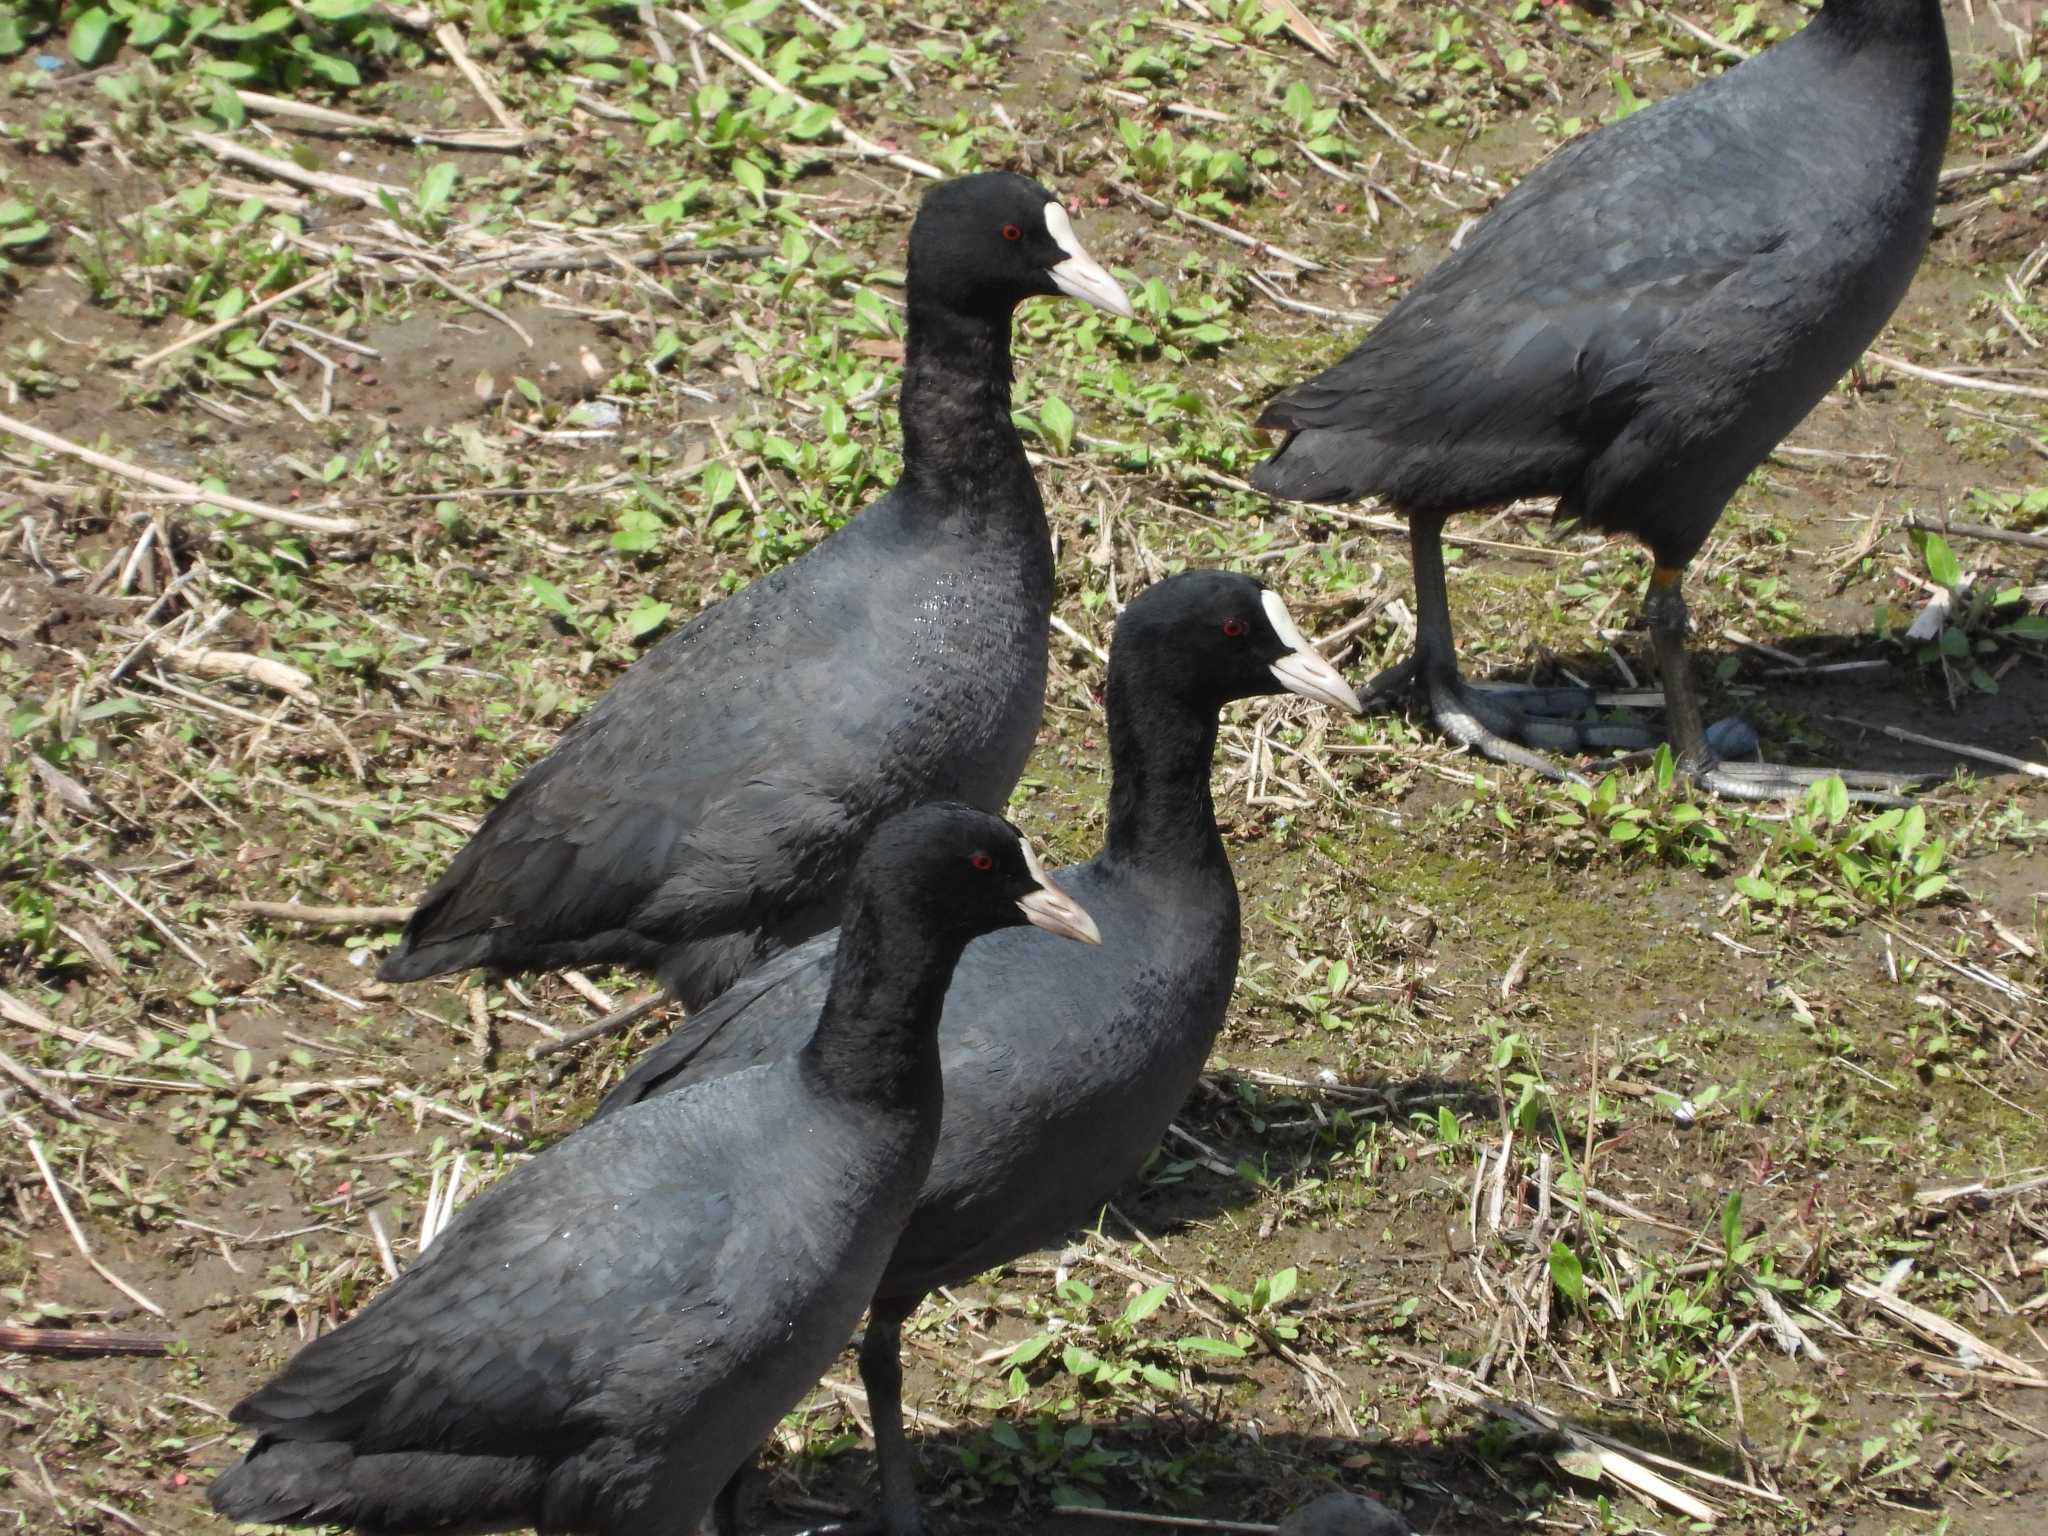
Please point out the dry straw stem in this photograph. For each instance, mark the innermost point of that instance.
(383, 128)
(83, 1344)
(15, 1011)
(866, 147)
(1981, 531)
(1934, 1326)
(2010, 165)
(320, 917)
(1957, 380)
(370, 194)
(1961, 749)
(282, 676)
(449, 36)
(42, 1161)
(183, 490)
(241, 317)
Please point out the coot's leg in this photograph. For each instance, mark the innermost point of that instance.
(1468, 715)
(724, 1519)
(1664, 609)
(881, 1373)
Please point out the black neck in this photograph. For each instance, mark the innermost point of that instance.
(958, 441)
(877, 1036)
(1161, 747)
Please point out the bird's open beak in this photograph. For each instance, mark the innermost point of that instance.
(1303, 670)
(1053, 909)
(1080, 275)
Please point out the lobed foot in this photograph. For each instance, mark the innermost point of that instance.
(1775, 781)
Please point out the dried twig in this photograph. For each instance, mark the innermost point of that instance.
(370, 194)
(184, 490)
(1934, 1326)
(320, 917)
(35, 1149)
(37, 1087)
(449, 36)
(1981, 531)
(624, 1018)
(1224, 231)
(1957, 380)
(867, 148)
(1961, 749)
(15, 1011)
(2011, 165)
(83, 1344)
(241, 317)
(329, 117)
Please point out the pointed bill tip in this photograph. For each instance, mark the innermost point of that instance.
(1053, 909)
(1080, 276)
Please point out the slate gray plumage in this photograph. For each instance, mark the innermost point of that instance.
(705, 812)
(598, 1341)
(1636, 326)
(1062, 1067)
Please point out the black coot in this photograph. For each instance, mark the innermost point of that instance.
(705, 813)
(598, 1341)
(1634, 328)
(1063, 1067)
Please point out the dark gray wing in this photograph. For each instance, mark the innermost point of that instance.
(498, 1341)
(1518, 358)
(706, 785)
(769, 1013)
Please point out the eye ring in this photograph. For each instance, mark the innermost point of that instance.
(1012, 232)
(983, 861)
(1235, 627)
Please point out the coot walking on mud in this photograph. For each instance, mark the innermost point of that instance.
(599, 1340)
(1063, 1066)
(1634, 328)
(705, 813)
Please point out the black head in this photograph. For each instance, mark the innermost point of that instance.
(955, 872)
(983, 244)
(1214, 636)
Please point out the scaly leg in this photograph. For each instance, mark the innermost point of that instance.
(1664, 609)
(881, 1373)
(1494, 722)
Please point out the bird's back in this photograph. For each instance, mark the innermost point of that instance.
(1711, 263)
(706, 810)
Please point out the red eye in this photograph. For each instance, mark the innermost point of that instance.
(1012, 232)
(1235, 628)
(984, 862)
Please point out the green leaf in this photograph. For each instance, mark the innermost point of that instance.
(551, 597)
(1942, 566)
(1282, 1285)
(1731, 1222)
(1058, 421)
(1222, 1349)
(436, 187)
(1079, 1362)
(338, 10)
(1566, 1273)
(811, 121)
(1145, 1303)
(1029, 1350)
(334, 70)
(646, 616)
(527, 388)
(91, 35)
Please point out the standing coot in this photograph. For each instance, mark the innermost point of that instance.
(705, 813)
(1063, 1066)
(599, 1340)
(1634, 328)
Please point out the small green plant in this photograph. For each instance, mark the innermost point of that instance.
(1968, 623)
